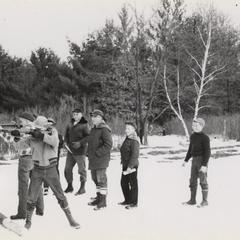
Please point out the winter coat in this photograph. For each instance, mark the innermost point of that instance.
(130, 152)
(99, 146)
(78, 133)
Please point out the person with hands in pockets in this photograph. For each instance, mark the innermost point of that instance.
(199, 151)
(129, 160)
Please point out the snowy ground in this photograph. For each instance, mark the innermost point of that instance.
(163, 186)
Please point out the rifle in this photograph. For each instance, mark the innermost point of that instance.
(8, 127)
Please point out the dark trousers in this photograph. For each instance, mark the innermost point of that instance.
(129, 184)
(196, 173)
(45, 185)
(50, 176)
(71, 160)
(24, 175)
(99, 177)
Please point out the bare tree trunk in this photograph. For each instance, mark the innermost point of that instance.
(145, 137)
(178, 112)
(84, 99)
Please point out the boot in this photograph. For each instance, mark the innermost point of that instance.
(81, 189)
(95, 200)
(102, 202)
(72, 222)
(204, 202)
(28, 223)
(192, 200)
(69, 188)
(17, 217)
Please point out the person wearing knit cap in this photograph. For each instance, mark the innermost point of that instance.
(99, 149)
(25, 167)
(45, 145)
(199, 150)
(129, 160)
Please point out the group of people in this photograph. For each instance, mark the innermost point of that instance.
(38, 144)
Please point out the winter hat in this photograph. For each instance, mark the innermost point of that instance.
(26, 115)
(77, 110)
(97, 112)
(132, 123)
(200, 121)
(41, 122)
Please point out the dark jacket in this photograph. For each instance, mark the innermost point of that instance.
(199, 146)
(129, 153)
(99, 146)
(78, 133)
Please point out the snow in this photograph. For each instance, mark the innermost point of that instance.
(163, 186)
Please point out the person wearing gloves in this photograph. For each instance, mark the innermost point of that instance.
(76, 139)
(129, 160)
(199, 151)
(44, 143)
(99, 148)
(25, 166)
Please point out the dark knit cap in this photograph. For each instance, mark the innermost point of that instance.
(77, 110)
(132, 123)
(97, 112)
(26, 115)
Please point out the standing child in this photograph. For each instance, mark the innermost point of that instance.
(199, 151)
(99, 149)
(129, 159)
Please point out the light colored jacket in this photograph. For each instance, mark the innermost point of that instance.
(44, 152)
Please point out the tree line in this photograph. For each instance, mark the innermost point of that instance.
(170, 65)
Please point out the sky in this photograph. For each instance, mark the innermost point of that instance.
(26, 25)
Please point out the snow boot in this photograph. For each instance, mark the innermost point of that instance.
(131, 206)
(71, 221)
(69, 188)
(102, 202)
(17, 217)
(95, 200)
(28, 223)
(204, 202)
(124, 203)
(192, 200)
(81, 189)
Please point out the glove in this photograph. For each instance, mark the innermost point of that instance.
(76, 145)
(15, 133)
(203, 169)
(37, 134)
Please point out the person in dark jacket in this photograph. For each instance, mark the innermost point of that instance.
(199, 151)
(129, 160)
(76, 140)
(99, 147)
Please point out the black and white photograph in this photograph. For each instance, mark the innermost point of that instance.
(119, 119)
